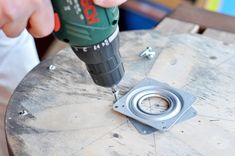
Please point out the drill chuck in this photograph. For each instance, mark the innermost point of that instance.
(103, 61)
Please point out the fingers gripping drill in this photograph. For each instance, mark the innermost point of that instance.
(92, 32)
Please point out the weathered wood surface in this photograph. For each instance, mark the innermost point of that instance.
(205, 18)
(227, 38)
(68, 115)
(176, 26)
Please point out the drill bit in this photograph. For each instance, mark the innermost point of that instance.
(115, 91)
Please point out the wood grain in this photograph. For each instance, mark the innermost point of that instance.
(175, 26)
(227, 38)
(202, 17)
(68, 115)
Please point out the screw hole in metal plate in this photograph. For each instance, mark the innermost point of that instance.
(155, 104)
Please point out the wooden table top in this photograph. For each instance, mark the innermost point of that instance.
(61, 112)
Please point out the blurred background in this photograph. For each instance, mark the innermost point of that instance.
(147, 14)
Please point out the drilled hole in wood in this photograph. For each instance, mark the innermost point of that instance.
(115, 135)
(213, 57)
(201, 30)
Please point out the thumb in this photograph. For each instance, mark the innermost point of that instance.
(109, 3)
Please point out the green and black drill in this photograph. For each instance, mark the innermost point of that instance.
(92, 32)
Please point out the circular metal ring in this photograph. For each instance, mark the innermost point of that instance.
(143, 98)
(142, 93)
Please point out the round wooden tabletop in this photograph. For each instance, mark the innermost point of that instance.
(58, 111)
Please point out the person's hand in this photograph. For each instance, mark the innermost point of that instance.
(35, 15)
(109, 3)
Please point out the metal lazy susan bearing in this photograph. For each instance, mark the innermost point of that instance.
(155, 104)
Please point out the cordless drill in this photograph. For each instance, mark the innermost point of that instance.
(92, 32)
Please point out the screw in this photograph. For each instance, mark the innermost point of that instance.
(23, 112)
(115, 91)
(148, 53)
(51, 67)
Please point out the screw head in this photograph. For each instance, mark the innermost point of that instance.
(148, 53)
(23, 112)
(51, 67)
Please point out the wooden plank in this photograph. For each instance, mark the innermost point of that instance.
(68, 115)
(178, 68)
(227, 38)
(204, 18)
(175, 26)
(168, 3)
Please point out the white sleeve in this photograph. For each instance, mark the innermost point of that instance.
(17, 57)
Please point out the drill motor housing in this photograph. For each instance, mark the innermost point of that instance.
(92, 32)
